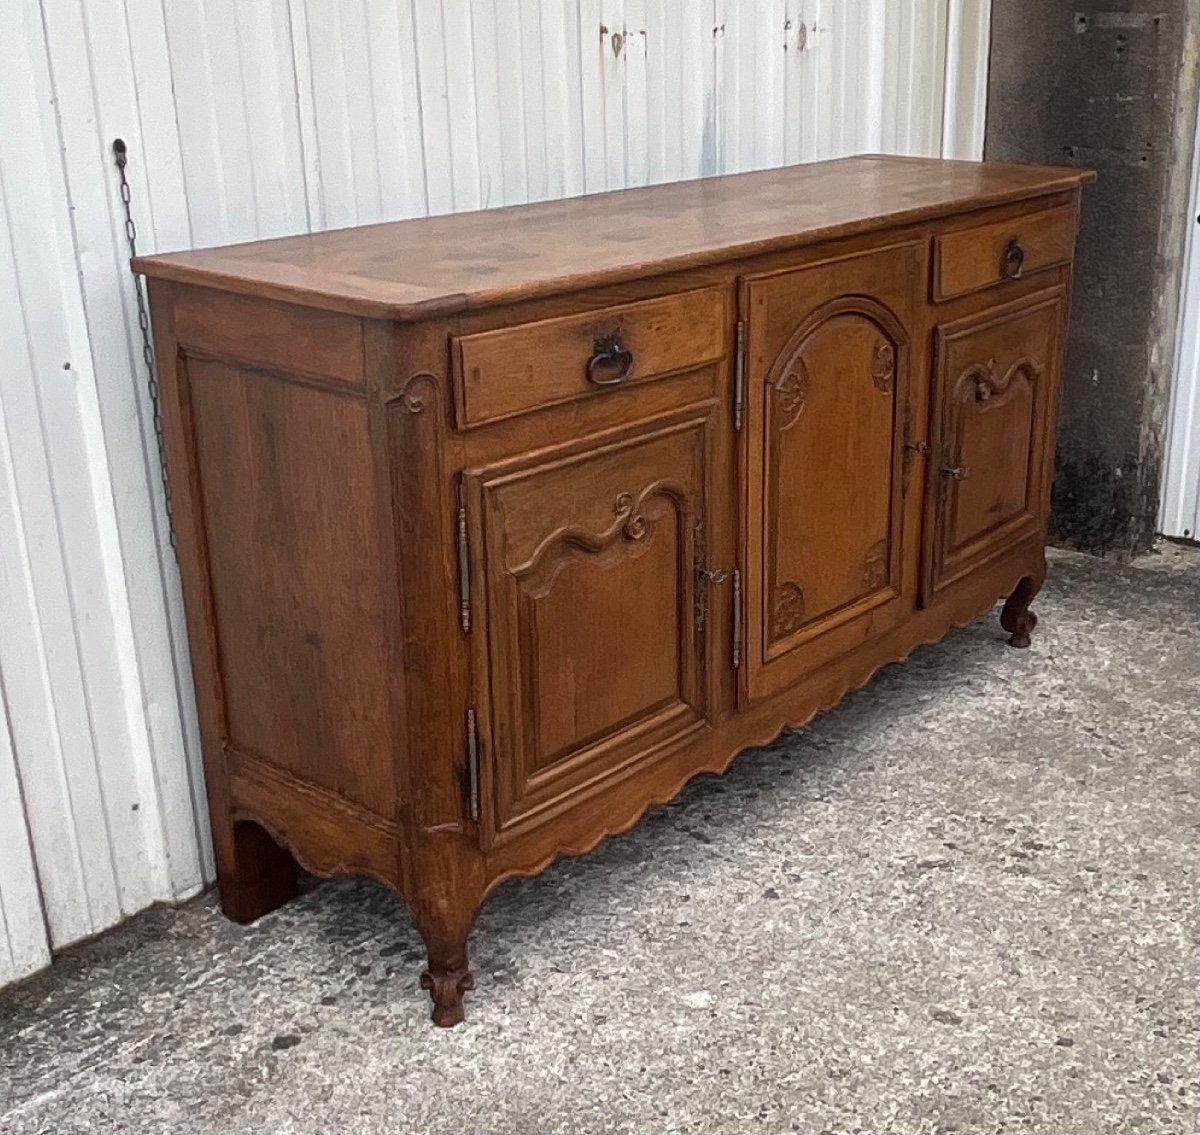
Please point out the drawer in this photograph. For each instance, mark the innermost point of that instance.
(978, 258)
(513, 370)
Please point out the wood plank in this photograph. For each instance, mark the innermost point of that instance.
(433, 265)
(293, 547)
(321, 343)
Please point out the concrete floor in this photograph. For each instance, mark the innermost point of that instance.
(965, 900)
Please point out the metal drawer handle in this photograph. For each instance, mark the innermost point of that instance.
(1014, 260)
(609, 356)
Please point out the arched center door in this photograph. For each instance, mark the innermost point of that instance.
(829, 363)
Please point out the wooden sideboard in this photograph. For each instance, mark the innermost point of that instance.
(496, 528)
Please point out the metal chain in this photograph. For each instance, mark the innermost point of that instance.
(121, 156)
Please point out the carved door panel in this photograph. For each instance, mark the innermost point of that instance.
(596, 652)
(990, 462)
(828, 370)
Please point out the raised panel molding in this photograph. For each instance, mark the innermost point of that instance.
(634, 519)
(990, 380)
(844, 349)
(984, 382)
(560, 707)
(788, 374)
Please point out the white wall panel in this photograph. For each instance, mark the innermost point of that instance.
(23, 941)
(97, 735)
(1179, 515)
(256, 118)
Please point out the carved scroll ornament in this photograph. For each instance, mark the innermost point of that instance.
(791, 393)
(629, 509)
(875, 566)
(984, 383)
(633, 520)
(883, 369)
(412, 396)
(787, 609)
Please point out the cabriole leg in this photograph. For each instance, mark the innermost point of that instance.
(1016, 617)
(447, 978)
(444, 930)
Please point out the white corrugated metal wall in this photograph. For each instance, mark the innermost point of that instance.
(1179, 515)
(256, 118)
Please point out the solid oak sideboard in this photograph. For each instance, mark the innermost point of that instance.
(496, 528)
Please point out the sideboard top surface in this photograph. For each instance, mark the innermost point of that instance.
(432, 266)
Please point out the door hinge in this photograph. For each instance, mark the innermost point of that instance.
(464, 564)
(472, 765)
(739, 375)
(737, 619)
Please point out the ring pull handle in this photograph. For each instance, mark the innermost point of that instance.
(1014, 260)
(610, 363)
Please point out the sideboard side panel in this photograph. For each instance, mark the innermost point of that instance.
(278, 518)
(289, 515)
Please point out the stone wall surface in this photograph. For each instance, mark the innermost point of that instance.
(1110, 86)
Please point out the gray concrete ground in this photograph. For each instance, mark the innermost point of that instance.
(965, 900)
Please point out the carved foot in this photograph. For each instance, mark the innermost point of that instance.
(446, 988)
(443, 918)
(1016, 617)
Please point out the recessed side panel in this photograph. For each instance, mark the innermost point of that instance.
(289, 514)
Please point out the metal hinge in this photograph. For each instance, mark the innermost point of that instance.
(737, 619)
(464, 564)
(739, 375)
(472, 765)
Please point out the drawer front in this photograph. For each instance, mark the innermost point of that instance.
(513, 370)
(984, 257)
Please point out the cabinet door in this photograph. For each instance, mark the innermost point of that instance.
(829, 360)
(597, 646)
(990, 459)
